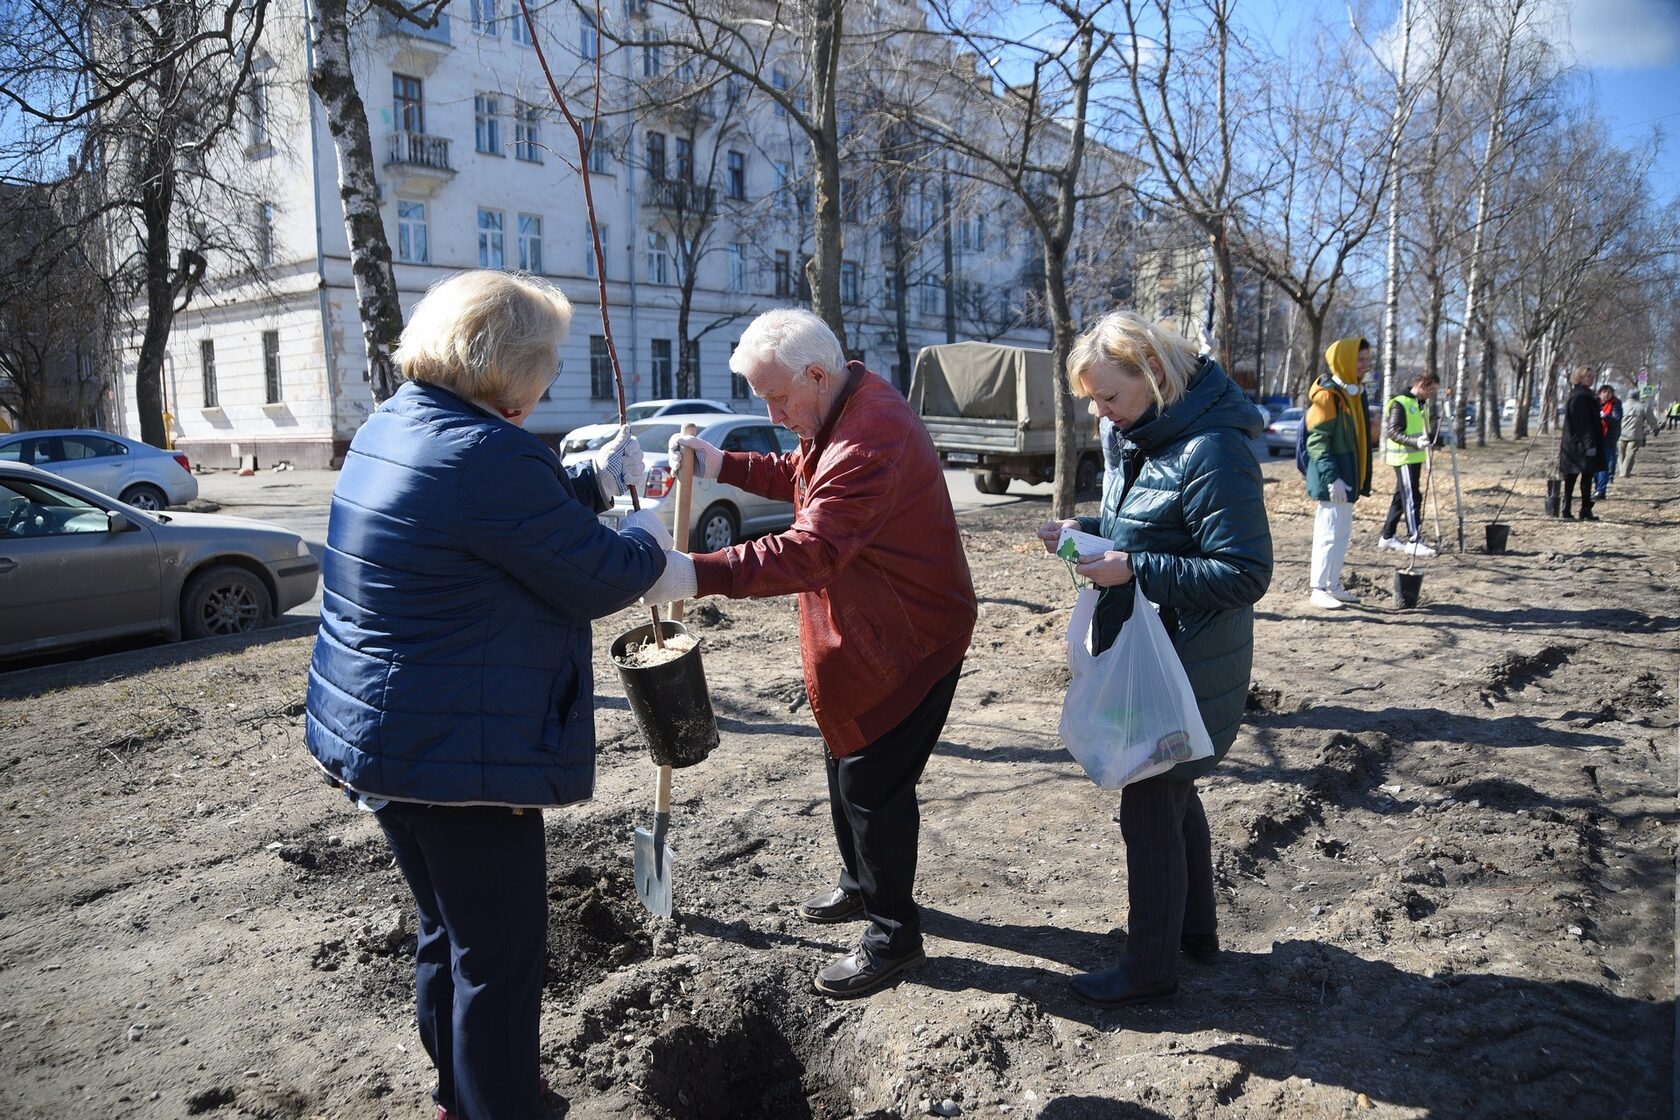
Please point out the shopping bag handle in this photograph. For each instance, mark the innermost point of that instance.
(1079, 629)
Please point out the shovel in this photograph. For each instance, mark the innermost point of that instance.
(652, 857)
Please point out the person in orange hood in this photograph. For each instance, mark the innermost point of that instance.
(1338, 464)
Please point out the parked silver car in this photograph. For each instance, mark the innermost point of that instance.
(77, 566)
(579, 442)
(139, 474)
(1280, 433)
(722, 515)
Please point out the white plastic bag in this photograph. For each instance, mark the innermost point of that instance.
(1130, 712)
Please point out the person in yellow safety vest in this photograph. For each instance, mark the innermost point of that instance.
(1673, 414)
(1406, 449)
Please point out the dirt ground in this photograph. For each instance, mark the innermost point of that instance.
(1444, 844)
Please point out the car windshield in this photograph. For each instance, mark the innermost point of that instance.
(642, 411)
(585, 443)
(1291, 414)
(655, 436)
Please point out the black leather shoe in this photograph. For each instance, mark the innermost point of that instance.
(1203, 947)
(835, 906)
(1113, 988)
(861, 971)
(1588, 517)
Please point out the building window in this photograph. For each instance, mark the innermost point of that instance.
(490, 249)
(656, 155)
(595, 140)
(265, 235)
(589, 250)
(484, 14)
(784, 273)
(408, 98)
(892, 291)
(257, 99)
(530, 243)
(207, 360)
(848, 201)
(973, 233)
(659, 365)
(653, 61)
(411, 232)
(600, 369)
(271, 366)
(779, 79)
(784, 185)
(734, 90)
(688, 378)
(685, 159)
(737, 175)
(658, 259)
(518, 29)
(931, 291)
(487, 123)
(527, 132)
(738, 266)
(739, 390)
(589, 39)
(848, 282)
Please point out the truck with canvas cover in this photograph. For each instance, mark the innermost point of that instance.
(992, 410)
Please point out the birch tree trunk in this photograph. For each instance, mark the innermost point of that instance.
(333, 81)
(822, 271)
(1391, 288)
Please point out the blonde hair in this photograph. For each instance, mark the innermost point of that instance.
(486, 336)
(1126, 340)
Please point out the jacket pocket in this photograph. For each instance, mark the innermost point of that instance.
(562, 698)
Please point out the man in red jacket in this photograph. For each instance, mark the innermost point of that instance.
(886, 609)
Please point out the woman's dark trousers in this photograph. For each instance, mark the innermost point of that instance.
(1169, 875)
(480, 881)
(1569, 493)
(877, 823)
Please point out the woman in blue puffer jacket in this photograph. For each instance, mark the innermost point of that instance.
(1183, 505)
(450, 690)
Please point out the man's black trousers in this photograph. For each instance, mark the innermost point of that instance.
(872, 797)
(1407, 502)
(480, 881)
(1169, 875)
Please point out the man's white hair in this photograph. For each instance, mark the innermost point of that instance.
(794, 339)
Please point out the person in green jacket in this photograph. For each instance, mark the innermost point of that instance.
(1183, 508)
(1338, 463)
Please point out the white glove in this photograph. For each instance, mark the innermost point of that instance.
(708, 460)
(1339, 492)
(618, 465)
(648, 522)
(678, 581)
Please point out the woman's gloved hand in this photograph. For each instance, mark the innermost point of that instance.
(648, 522)
(676, 582)
(619, 465)
(708, 460)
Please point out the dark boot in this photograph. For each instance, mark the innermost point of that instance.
(1113, 988)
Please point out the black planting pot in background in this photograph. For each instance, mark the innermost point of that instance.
(671, 703)
(1498, 536)
(1554, 490)
(1407, 586)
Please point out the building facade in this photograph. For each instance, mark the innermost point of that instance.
(699, 185)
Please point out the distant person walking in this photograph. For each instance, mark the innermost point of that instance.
(1581, 448)
(1673, 414)
(1637, 423)
(1338, 463)
(1406, 449)
(1610, 416)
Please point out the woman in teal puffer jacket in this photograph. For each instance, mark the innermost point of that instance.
(1183, 505)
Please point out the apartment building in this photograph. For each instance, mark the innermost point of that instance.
(699, 184)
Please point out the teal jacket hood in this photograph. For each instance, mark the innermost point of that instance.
(1211, 401)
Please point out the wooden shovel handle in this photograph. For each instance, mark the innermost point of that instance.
(662, 791)
(685, 506)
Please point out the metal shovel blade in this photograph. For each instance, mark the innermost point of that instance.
(652, 861)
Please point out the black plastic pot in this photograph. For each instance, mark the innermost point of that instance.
(1498, 536)
(671, 703)
(1407, 585)
(1554, 490)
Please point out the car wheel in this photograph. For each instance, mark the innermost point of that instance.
(143, 495)
(1273, 453)
(718, 528)
(224, 600)
(1088, 477)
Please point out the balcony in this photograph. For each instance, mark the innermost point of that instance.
(416, 50)
(676, 97)
(676, 196)
(418, 163)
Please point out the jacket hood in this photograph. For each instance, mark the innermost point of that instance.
(1343, 359)
(1212, 400)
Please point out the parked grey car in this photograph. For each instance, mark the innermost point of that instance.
(579, 442)
(139, 474)
(77, 566)
(1280, 433)
(722, 515)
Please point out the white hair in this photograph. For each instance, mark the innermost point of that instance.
(487, 336)
(794, 339)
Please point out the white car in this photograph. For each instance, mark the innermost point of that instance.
(721, 515)
(135, 473)
(579, 442)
